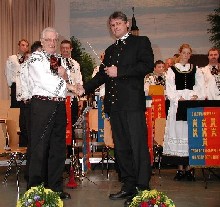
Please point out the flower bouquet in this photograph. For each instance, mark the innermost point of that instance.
(40, 197)
(151, 198)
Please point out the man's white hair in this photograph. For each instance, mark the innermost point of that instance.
(48, 29)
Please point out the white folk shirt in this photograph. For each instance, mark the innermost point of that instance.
(73, 72)
(102, 87)
(12, 72)
(26, 82)
(45, 82)
(152, 79)
(212, 91)
(12, 66)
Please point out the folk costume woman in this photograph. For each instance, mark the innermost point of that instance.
(184, 81)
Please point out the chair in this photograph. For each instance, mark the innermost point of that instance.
(109, 145)
(17, 154)
(4, 107)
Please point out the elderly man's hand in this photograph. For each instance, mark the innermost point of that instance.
(62, 72)
(80, 90)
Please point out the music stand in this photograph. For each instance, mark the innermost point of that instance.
(156, 90)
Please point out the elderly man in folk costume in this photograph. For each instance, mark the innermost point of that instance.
(48, 115)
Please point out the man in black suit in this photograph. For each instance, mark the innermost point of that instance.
(123, 69)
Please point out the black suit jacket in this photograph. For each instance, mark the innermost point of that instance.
(134, 59)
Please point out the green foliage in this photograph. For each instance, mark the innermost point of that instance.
(151, 198)
(87, 63)
(214, 20)
(39, 196)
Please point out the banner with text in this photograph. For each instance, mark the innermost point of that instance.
(204, 136)
(155, 108)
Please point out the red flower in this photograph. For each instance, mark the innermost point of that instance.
(163, 205)
(153, 201)
(42, 202)
(38, 204)
(144, 204)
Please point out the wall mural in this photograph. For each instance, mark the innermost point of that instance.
(168, 23)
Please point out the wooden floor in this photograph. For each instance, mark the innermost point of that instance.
(94, 188)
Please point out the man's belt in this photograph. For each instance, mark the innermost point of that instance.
(48, 98)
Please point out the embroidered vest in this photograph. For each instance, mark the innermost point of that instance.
(184, 79)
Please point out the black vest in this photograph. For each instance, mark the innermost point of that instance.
(184, 79)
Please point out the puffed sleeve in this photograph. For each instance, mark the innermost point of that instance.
(199, 87)
(171, 91)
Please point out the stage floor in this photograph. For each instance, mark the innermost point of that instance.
(94, 189)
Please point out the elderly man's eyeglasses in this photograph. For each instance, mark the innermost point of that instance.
(51, 40)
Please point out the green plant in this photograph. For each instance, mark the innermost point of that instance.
(214, 20)
(40, 197)
(152, 198)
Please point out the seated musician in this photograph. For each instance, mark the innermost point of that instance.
(184, 81)
(212, 75)
(155, 78)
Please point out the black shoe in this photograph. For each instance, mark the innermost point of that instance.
(190, 175)
(120, 195)
(179, 175)
(142, 188)
(64, 195)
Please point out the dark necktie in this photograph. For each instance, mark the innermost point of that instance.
(68, 63)
(54, 64)
(118, 42)
(21, 59)
(214, 70)
(160, 80)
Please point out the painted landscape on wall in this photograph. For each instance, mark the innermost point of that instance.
(168, 23)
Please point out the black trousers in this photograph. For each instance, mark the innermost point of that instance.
(48, 144)
(24, 137)
(130, 139)
(14, 102)
(24, 124)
